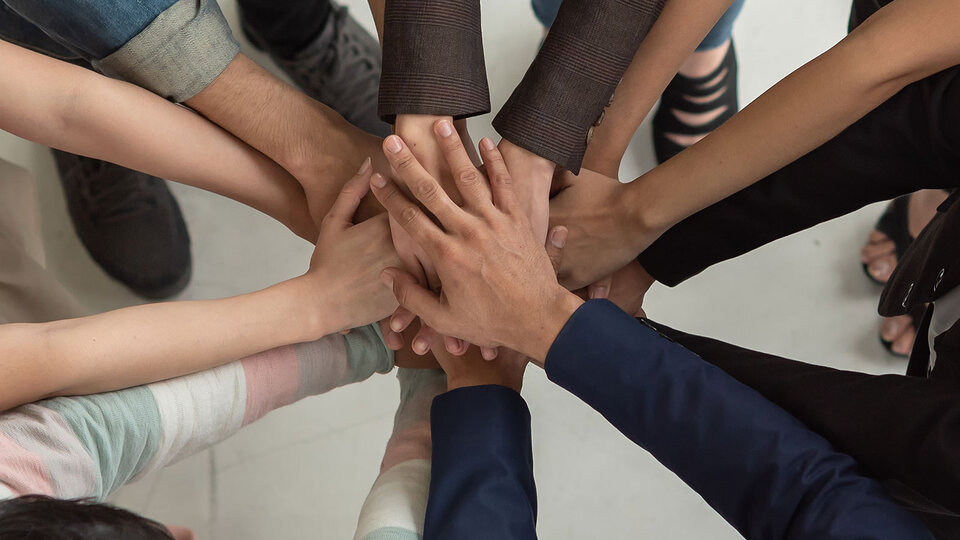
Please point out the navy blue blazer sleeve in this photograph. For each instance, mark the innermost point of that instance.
(481, 483)
(766, 473)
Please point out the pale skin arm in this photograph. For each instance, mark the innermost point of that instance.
(144, 344)
(67, 107)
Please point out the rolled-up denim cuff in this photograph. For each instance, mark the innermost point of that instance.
(181, 52)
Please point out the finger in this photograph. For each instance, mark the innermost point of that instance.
(391, 339)
(489, 353)
(600, 289)
(412, 295)
(425, 339)
(422, 184)
(556, 239)
(472, 185)
(423, 231)
(501, 182)
(454, 346)
(341, 213)
(401, 319)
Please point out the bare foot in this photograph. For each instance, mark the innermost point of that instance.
(900, 332)
(880, 256)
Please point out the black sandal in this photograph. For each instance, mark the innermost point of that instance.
(678, 96)
(916, 314)
(895, 224)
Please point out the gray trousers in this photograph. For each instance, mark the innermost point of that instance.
(28, 292)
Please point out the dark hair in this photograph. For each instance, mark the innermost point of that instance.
(38, 517)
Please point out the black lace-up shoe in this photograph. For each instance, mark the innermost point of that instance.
(130, 224)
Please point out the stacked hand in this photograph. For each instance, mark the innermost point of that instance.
(348, 259)
(499, 287)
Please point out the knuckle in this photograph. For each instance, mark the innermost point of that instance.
(404, 161)
(426, 189)
(503, 179)
(408, 214)
(469, 178)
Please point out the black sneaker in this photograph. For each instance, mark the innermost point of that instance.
(130, 224)
(340, 68)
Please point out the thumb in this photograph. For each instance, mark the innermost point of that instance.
(413, 296)
(556, 240)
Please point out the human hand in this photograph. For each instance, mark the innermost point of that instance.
(626, 288)
(417, 131)
(471, 369)
(343, 281)
(535, 176)
(604, 232)
(499, 285)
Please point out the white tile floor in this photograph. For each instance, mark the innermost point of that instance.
(303, 472)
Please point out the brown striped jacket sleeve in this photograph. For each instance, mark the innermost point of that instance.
(573, 77)
(433, 59)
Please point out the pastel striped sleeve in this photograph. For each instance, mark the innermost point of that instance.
(89, 446)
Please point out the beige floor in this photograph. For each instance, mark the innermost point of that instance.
(303, 472)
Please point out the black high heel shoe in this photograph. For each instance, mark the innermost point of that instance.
(677, 97)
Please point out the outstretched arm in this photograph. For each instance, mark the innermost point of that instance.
(903, 42)
(74, 109)
(142, 344)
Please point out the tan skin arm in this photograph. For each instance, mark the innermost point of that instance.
(902, 43)
(67, 107)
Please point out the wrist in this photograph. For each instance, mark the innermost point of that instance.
(313, 310)
(545, 328)
(603, 159)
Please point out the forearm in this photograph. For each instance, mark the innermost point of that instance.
(766, 473)
(482, 482)
(803, 111)
(142, 344)
(377, 9)
(680, 28)
(77, 110)
(433, 59)
(273, 117)
(573, 77)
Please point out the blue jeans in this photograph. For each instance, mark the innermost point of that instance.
(546, 12)
(171, 47)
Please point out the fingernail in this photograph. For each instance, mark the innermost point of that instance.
(394, 341)
(487, 144)
(378, 180)
(396, 325)
(420, 346)
(393, 144)
(559, 238)
(444, 128)
(880, 269)
(364, 167)
(387, 280)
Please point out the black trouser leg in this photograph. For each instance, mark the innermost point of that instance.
(904, 431)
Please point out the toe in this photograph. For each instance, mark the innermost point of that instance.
(904, 344)
(892, 327)
(870, 252)
(877, 237)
